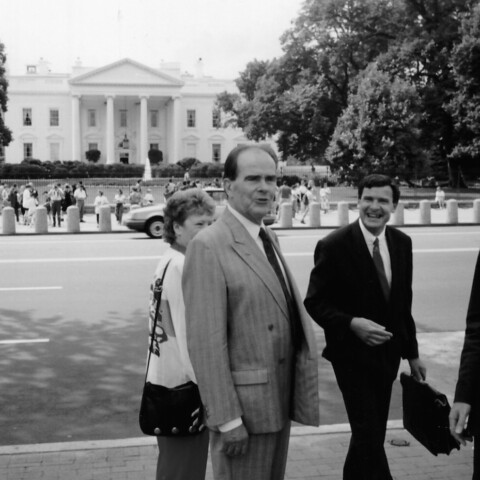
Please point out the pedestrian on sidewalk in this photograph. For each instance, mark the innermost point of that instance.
(360, 293)
(465, 413)
(440, 197)
(186, 213)
(99, 201)
(119, 204)
(250, 340)
(80, 195)
(56, 196)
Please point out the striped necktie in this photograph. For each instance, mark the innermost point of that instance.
(382, 276)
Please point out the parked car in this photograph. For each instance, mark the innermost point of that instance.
(150, 219)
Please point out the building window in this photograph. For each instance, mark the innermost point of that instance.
(92, 118)
(31, 69)
(93, 146)
(216, 118)
(54, 117)
(154, 118)
(27, 117)
(123, 118)
(190, 118)
(27, 150)
(54, 151)
(216, 152)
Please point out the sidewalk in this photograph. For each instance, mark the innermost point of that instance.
(313, 454)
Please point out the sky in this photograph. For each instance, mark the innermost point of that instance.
(226, 34)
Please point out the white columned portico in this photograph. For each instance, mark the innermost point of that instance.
(175, 130)
(143, 130)
(110, 131)
(76, 136)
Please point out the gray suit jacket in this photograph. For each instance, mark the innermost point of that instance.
(238, 333)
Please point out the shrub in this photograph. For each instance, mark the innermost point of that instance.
(93, 155)
(155, 156)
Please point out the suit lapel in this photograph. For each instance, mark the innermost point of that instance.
(249, 252)
(394, 260)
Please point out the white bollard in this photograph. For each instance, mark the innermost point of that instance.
(452, 211)
(314, 215)
(286, 215)
(425, 212)
(343, 214)
(41, 220)
(8, 221)
(105, 219)
(476, 211)
(398, 217)
(73, 219)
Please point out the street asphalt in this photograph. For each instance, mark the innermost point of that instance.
(315, 453)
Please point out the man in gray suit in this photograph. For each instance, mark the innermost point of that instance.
(250, 340)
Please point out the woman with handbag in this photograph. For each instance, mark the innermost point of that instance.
(180, 457)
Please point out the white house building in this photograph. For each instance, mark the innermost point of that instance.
(123, 109)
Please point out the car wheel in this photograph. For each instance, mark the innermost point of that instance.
(154, 227)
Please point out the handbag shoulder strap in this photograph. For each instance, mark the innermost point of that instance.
(157, 293)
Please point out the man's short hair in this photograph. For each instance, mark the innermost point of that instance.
(231, 163)
(378, 180)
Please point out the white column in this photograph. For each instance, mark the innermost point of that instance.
(76, 139)
(110, 131)
(143, 151)
(175, 131)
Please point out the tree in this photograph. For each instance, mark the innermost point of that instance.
(465, 103)
(300, 96)
(5, 132)
(378, 132)
(422, 54)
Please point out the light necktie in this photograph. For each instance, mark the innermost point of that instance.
(295, 325)
(377, 260)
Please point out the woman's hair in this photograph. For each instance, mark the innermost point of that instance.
(181, 205)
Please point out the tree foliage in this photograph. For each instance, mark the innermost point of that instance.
(465, 104)
(378, 131)
(300, 97)
(5, 132)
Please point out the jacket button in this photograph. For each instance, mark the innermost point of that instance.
(281, 361)
(270, 327)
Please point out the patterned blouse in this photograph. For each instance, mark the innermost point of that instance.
(170, 363)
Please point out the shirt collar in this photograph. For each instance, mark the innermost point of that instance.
(369, 237)
(252, 228)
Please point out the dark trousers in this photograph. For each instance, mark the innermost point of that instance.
(476, 458)
(57, 211)
(366, 393)
(182, 458)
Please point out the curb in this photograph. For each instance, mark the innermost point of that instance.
(150, 441)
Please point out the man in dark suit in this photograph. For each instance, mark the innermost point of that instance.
(360, 293)
(467, 394)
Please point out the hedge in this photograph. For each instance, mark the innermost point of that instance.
(32, 169)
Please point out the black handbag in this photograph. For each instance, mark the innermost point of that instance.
(425, 415)
(166, 411)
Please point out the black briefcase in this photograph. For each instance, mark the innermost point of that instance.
(425, 415)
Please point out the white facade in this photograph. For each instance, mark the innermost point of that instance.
(61, 116)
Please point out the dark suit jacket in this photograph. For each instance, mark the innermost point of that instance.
(468, 385)
(344, 284)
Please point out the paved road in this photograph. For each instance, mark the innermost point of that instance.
(81, 302)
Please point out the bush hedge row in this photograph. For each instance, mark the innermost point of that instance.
(32, 169)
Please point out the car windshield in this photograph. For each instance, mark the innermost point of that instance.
(219, 196)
